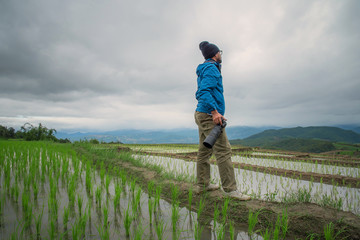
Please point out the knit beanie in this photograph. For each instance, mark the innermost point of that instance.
(208, 50)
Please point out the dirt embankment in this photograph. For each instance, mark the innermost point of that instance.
(303, 219)
(317, 160)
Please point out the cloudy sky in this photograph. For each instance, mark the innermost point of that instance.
(117, 64)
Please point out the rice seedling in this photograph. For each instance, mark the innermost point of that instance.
(231, 230)
(139, 233)
(102, 172)
(276, 232)
(64, 170)
(252, 221)
(175, 215)
(123, 178)
(151, 204)
(266, 235)
(225, 209)
(329, 232)
(25, 201)
(52, 229)
(88, 178)
(53, 204)
(117, 196)
(15, 192)
(103, 232)
(105, 218)
(284, 223)
(220, 231)
(136, 207)
(201, 206)
(71, 190)
(303, 195)
(127, 222)
(132, 187)
(79, 203)
(138, 197)
(18, 232)
(107, 183)
(35, 190)
(66, 216)
(198, 230)
(75, 231)
(27, 210)
(38, 223)
(157, 197)
(118, 189)
(150, 188)
(82, 221)
(98, 196)
(160, 229)
(174, 194)
(329, 201)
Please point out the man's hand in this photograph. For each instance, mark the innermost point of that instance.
(217, 117)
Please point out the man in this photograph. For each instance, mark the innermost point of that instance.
(209, 112)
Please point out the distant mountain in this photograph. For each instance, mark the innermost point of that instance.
(241, 132)
(292, 144)
(332, 134)
(158, 136)
(301, 138)
(253, 136)
(355, 128)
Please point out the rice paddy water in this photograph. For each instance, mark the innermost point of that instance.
(256, 184)
(49, 192)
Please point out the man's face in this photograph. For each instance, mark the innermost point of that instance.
(218, 57)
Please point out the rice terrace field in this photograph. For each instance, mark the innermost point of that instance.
(83, 190)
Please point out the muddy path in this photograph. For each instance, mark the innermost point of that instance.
(318, 160)
(308, 176)
(303, 219)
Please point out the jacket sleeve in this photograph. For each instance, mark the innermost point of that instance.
(209, 81)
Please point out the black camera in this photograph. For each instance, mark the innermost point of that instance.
(214, 134)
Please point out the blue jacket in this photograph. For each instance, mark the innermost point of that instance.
(210, 88)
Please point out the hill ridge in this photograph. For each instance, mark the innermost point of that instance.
(325, 133)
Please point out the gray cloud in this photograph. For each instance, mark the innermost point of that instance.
(91, 64)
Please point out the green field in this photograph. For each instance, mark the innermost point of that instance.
(128, 191)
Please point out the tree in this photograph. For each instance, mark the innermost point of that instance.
(7, 132)
(31, 133)
(3, 131)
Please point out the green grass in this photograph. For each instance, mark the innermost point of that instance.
(348, 149)
(330, 233)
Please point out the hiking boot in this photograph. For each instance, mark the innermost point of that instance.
(238, 195)
(212, 187)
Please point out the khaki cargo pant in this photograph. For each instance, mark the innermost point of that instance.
(222, 151)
